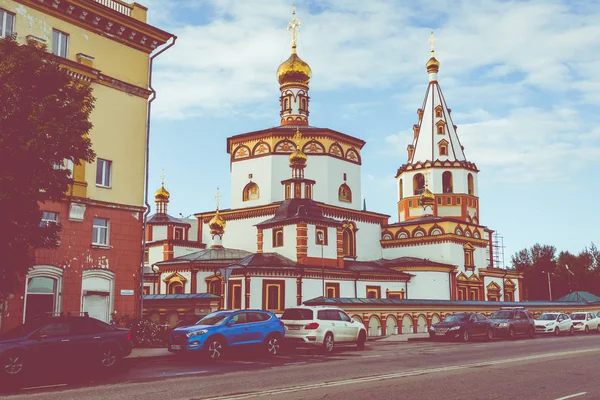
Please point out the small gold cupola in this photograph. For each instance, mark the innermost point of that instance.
(433, 65)
(161, 196)
(217, 225)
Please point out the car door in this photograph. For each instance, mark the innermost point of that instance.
(238, 329)
(326, 320)
(522, 325)
(565, 323)
(52, 346)
(484, 324)
(593, 321)
(350, 328)
(258, 326)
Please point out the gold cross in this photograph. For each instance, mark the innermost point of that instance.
(162, 177)
(297, 139)
(217, 197)
(432, 43)
(294, 26)
(427, 179)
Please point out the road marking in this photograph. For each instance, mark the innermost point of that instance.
(371, 356)
(571, 396)
(187, 373)
(296, 363)
(405, 374)
(45, 387)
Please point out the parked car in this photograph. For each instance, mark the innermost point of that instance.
(323, 327)
(463, 326)
(585, 322)
(513, 321)
(555, 323)
(222, 331)
(62, 341)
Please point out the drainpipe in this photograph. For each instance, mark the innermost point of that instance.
(356, 286)
(147, 212)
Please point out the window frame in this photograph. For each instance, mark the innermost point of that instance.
(60, 34)
(4, 32)
(322, 229)
(374, 289)
(106, 173)
(96, 236)
(280, 284)
(45, 222)
(335, 286)
(276, 243)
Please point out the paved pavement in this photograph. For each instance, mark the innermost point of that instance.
(542, 368)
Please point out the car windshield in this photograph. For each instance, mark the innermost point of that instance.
(22, 330)
(502, 314)
(547, 317)
(456, 318)
(297, 314)
(579, 317)
(214, 319)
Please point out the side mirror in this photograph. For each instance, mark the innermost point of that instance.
(352, 321)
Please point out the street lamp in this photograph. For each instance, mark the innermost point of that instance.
(549, 286)
(321, 238)
(155, 269)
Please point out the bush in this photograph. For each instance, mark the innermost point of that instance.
(144, 333)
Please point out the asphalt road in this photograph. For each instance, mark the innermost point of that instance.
(541, 368)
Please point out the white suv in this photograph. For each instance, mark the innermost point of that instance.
(322, 326)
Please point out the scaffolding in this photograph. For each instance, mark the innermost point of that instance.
(498, 250)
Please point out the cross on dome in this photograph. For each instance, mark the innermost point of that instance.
(163, 176)
(217, 198)
(432, 44)
(293, 27)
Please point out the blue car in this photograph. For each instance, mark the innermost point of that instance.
(224, 330)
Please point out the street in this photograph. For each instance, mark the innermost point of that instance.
(542, 368)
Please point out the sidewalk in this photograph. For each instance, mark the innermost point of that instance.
(143, 353)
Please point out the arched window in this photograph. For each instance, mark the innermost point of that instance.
(286, 104)
(344, 193)
(251, 192)
(42, 294)
(349, 240)
(303, 104)
(175, 287)
(418, 184)
(214, 285)
(401, 189)
(447, 182)
(470, 184)
(308, 192)
(288, 191)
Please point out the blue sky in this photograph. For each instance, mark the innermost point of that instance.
(520, 77)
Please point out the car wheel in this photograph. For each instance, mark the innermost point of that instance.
(273, 344)
(587, 329)
(328, 343)
(511, 332)
(109, 357)
(13, 365)
(465, 336)
(362, 339)
(571, 331)
(489, 334)
(215, 348)
(556, 331)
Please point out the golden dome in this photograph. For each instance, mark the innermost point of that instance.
(217, 224)
(162, 194)
(433, 65)
(294, 70)
(297, 158)
(427, 198)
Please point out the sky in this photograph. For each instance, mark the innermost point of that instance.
(520, 77)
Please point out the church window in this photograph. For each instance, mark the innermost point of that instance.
(395, 294)
(251, 192)
(175, 287)
(308, 192)
(387, 236)
(402, 235)
(273, 295)
(373, 292)
(321, 232)
(278, 237)
(288, 191)
(447, 182)
(146, 256)
(443, 150)
(449, 201)
(418, 233)
(438, 112)
(439, 200)
(332, 290)
(235, 295)
(178, 233)
(286, 104)
(418, 184)
(297, 190)
(458, 232)
(349, 241)
(410, 204)
(470, 184)
(214, 285)
(458, 201)
(400, 189)
(303, 104)
(435, 232)
(345, 194)
(440, 129)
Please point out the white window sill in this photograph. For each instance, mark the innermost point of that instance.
(101, 246)
(103, 187)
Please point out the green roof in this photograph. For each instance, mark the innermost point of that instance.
(585, 297)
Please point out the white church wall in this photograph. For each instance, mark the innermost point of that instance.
(328, 172)
(429, 285)
(368, 245)
(261, 169)
(193, 231)
(159, 232)
(311, 288)
(314, 249)
(449, 211)
(256, 290)
(361, 287)
(440, 252)
(155, 254)
(289, 242)
(201, 276)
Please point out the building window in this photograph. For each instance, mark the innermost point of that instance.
(213, 285)
(373, 292)
(449, 201)
(251, 192)
(410, 204)
(175, 287)
(468, 255)
(349, 241)
(7, 23)
(439, 200)
(278, 237)
(345, 194)
(440, 129)
(397, 295)
(235, 295)
(418, 184)
(49, 218)
(400, 189)
(443, 150)
(146, 290)
(303, 104)
(178, 233)
(146, 256)
(321, 235)
(41, 297)
(447, 185)
(332, 290)
(103, 173)
(286, 104)
(288, 191)
(100, 232)
(438, 112)
(60, 43)
(458, 201)
(273, 295)
(470, 184)
(308, 192)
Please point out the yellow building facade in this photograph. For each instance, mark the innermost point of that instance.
(108, 44)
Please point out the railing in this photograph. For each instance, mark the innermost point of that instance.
(116, 5)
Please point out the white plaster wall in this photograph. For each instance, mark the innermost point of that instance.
(435, 182)
(193, 231)
(314, 249)
(328, 172)
(159, 232)
(429, 285)
(392, 286)
(449, 211)
(415, 212)
(312, 288)
(155, 254)
(368, 245)
(289, 242)
(239, 234)
(262, 170)
(201, 280)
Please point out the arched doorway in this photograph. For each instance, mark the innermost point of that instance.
(422, 324)
(374, 326)
(391, 325)
(407, 324)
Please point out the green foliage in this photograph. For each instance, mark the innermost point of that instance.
(568, 272)
(144, 333)
(44, 120)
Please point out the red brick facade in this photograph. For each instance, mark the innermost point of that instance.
(76, 254)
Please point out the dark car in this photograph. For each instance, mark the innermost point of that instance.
(513, 321)
(221, 331)
(462, 326)
(61, 341)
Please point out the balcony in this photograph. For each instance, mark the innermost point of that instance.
(117, 5)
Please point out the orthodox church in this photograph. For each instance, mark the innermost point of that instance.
(296, 229)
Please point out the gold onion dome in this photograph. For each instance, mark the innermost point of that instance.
(433, 65)
(162, 194)
(294, 70)
(427, 198)
(217, 224)
(297, 158)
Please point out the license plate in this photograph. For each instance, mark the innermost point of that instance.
(175, 347)
(440, 333)
(294, 328)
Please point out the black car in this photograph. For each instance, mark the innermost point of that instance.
(462, 326)
(513, 321)
(51, 342)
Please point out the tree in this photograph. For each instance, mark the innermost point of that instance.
(44, 121)
(535, 263)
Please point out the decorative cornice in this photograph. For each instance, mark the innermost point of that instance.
(445, 238)
(436, 164)
(354, 215)
(244, 213)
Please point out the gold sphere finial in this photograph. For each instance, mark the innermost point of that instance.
(433, 65)
(162, 194)
(298, 158)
